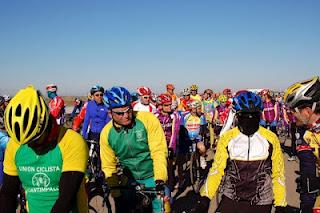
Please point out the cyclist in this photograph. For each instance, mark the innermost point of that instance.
(144, 103)
(250, 158)
(78, 120)
(2, 108)
(3, 143)
(48, 159)
(170, 122)
(270, 114)
(137, 140)
(208, 108)
(303, 98)
(221, 113)
(170, 91)
(194, 93)
(77, 105)
(184, 101)
(7, 99)
(193, 128)
(96, 115)
(56, 104)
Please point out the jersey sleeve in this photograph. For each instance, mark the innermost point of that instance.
(216, 172)
(278, 178)
(107, 155)
(74, 152)
(9, 163)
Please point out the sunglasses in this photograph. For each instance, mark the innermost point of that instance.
(121, 113)
(167, 105)
(146, 97)
(98, 95)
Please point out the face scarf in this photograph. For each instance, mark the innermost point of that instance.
(52, 95)
(248, 123)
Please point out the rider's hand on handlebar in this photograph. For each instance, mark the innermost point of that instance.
(202, 205)
(160, 185)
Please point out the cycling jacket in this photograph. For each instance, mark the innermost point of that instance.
(77, 121)
(253, 168)
(140, 148)
(96, 118)
(40, 174)
(56, 106)
(170, 124)
(269, 111)
(137, 106)
(193, 124)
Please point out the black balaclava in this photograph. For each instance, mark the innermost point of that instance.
(248, 123)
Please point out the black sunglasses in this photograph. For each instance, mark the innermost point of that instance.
(121, 113)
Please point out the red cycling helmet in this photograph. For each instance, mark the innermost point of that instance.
(143, 91)
(165, 99)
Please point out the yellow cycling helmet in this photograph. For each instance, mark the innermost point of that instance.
(26, 116)
(222, 98)
(303, 93)
(194, 87)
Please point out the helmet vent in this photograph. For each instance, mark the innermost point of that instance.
(17, 130)
(34, 121)
(18, 110)
(10, 118)
(25, 119)
(42, 124)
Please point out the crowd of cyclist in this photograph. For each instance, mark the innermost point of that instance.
(150, 137)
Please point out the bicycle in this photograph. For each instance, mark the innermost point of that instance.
(96, 185)
(198, 174)
(143, 197)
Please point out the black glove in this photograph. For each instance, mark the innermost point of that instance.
(115, 182)
(202, 205)
(280, 209)
(170, 153)
(159, 185)
(307, 183)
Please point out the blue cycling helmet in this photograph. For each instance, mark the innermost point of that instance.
(117, 97)
(247, 102)
(96, 88)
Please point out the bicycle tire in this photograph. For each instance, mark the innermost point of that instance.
(93, 190)
(194, 169)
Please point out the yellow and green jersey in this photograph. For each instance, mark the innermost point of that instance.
(142, 148)
(40, 174)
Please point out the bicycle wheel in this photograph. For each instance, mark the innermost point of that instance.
(195, 171)
(97, 198)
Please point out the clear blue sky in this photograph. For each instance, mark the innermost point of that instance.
(237, 44)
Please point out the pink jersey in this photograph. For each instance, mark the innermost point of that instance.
(269, 111)
(171, 125)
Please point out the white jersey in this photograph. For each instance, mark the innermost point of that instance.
(137, 106)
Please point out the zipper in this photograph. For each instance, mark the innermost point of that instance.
(129, 146)
(248, 147)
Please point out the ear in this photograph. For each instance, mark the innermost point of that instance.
(109, 113)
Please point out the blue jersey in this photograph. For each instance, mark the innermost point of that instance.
(3, 143)
(193, 125)
(96, 117)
